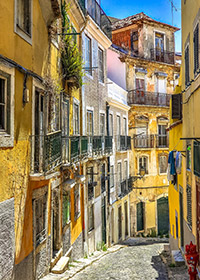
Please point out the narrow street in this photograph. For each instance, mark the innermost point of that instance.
(129, 263)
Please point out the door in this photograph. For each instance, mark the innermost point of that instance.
(140, 91)
(159, 45)
(140, 216)
(163, 215)
(126, 218)
(65, 129)
(181, 215)
(103, 214)
(39, 132)
(56, 236)
(141, 139)
(113, 226)
(161, 90)
(119, 223)
(198, 215)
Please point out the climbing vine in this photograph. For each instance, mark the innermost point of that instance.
(72, 63)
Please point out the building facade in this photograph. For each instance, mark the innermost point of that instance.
(185, 207)
(146, 48)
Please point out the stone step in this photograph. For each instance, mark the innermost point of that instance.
(61, 265)
(177, 258)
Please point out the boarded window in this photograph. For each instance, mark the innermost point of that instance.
(24, 15)
(196, 48)
(196, 156)
(189, 206)
(176, 106)
(187, 68)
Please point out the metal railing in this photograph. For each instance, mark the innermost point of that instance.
(162, 141)
(123, 143)
(143, 141)
(162, 56)
(108, 144)
(46, 152)
(93, 9)
(142, 97)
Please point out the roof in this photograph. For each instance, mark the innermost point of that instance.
(135, 18)
(113, 19)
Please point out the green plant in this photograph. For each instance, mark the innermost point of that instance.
(72, 63)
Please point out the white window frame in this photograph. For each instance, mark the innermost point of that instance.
(7, 137)
(88, 71)
(76, 102)
(23, 34)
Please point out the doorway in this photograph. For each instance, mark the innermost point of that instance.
(140, 216)
(103, 215)
(119, 222)
(163, 215)
(56, 223)
(126, 218)
(181, 215)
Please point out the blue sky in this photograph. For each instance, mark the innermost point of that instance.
(157, 9)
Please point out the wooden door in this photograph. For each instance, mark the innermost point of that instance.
(163, 215)
(126, 218)
(140, 216)
(119, 223)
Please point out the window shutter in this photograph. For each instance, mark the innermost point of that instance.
(176, 106)
(196, 48)
(187, 76)
(196, 156)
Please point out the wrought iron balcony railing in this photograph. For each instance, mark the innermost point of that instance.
(93, 9)
(162, 56)
(162, 141)
(143, 141)
(151, 141)
(108, 144)
(123, 143)
(46, 152)
(141, 97)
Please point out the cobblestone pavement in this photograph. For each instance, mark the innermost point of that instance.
(129, 263)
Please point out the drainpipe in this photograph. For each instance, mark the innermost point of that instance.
(107, 126)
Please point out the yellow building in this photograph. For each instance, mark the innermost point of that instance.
(147, 48)
(190, 128)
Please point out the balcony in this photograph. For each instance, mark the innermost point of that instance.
(143, 141)
(93, 9)
(46, 152)
(162, 56)
(123, 143)
(151, 141)
(139, 97)
(99, 146)
(162, 141)
(108, 144)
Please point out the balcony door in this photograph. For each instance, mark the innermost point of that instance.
(140, 90)
(141, 135)
(162, 136)
(39, 131)
(65, 129)
(161, 89)
(159, 46)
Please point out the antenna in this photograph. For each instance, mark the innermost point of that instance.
(172, 10)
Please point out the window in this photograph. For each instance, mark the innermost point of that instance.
(101, 66)
(103, 179)
(76, 202)
(102, 124)
(66, 208)
(40, 219)
(65, 116)
(6, 106)
(111, 176)
(196, 155)
(89, 122)
(176, 106)
(76, 119)
(187, 68)
(159, 41)
(196, 48)
(91, 217)
(162, 136)
(24, 16)
(189, 206)
(125, 170)
(140, 85)
(124, 126)
(119, 177)
(162, 164)
(188, 156)
(143, 164)
(118, 125)
(90, 178)
(88, 55)
(53, 112)
(110, 124)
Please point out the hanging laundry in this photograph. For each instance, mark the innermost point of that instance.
(171, 161)
(178, 162)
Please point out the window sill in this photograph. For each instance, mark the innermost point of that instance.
(6, 140)
(89, 76)
(23, 34)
